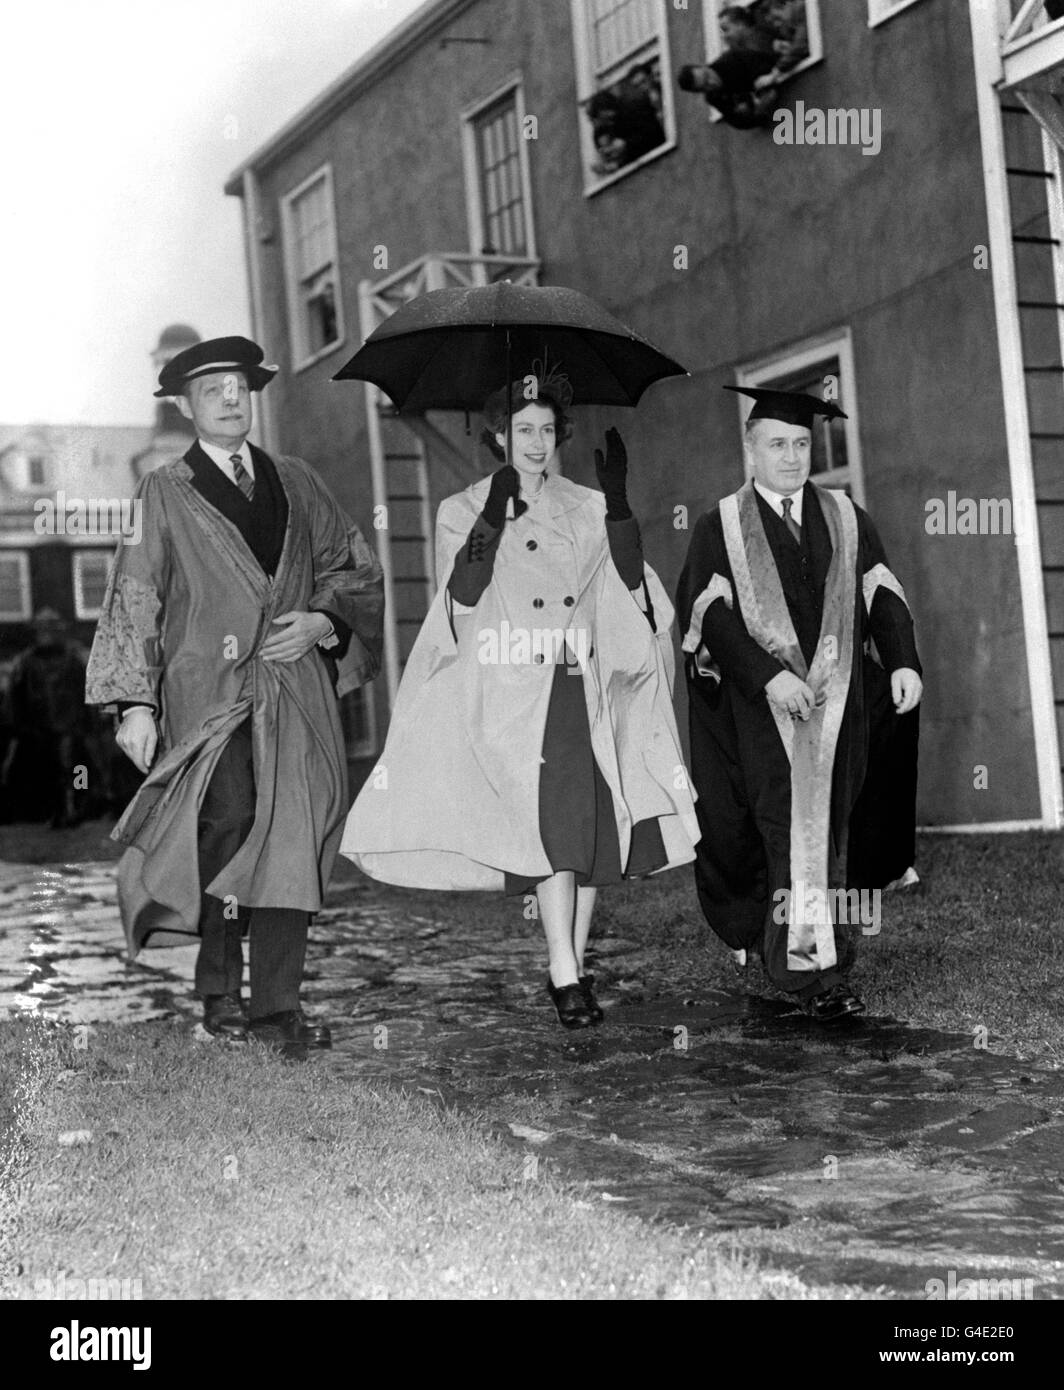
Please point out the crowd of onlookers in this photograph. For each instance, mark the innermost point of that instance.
(763, 41)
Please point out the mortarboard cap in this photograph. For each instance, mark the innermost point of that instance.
(792, 407)
(233, 354)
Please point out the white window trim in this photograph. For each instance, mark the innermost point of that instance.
(474, 207)
(585, 88)
(879, 11)
(838, 343)
(82, 610)
(299, 358)
(23, 564)
(715, 44)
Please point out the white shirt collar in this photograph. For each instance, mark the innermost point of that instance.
(222, 458)
(775, 501)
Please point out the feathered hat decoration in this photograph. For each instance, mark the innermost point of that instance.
(552, 382)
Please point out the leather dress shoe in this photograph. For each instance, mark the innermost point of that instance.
(587, 988)
(835, 1003)
(572, 1007)
(290, 1028)
(225, 1016)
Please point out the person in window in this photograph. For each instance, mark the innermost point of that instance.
(727, 84)
(533, 747)
(626, 120)
(785, 22)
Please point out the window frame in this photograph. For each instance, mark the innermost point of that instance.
(82, 611)
(471, 166)
(879, 11)
(715, 45)
(585, 89)
(799, 356)
(22, 559)
(299, 352)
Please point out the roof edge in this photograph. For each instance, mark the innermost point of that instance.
(391, 50)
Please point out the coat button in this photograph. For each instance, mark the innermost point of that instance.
(537, 603)
(538, 658)
(531, 545)
(568, 600)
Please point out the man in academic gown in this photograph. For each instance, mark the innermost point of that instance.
(249, 603)
(794, 628)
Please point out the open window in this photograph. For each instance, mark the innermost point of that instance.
(822, 367)
(498, 183)
(315, 310)
(770, 39)
(624, 86)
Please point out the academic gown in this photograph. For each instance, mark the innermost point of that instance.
(739, 764)
(184, 619)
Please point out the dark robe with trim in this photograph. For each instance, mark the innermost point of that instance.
(738, 762)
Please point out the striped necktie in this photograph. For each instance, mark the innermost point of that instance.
(792, 526)
(244, 481)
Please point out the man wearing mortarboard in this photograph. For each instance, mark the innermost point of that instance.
(227, 632)
(791, 616)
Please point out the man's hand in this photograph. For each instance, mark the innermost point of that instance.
(906, 687)
(787, 692)
(138, 737)
(299, 632)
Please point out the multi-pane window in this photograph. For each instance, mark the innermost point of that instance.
(500, 185)
(15, 597)
(624, 85)
(91, 568)
(311, 259)
(823, 369)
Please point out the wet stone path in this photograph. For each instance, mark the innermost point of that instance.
(872, 1154)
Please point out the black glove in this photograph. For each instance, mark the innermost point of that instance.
(612, 475)
(504, 484)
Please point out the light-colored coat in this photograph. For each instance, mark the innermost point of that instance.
(454, 799)
(184, 618)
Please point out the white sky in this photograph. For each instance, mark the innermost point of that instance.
(117, 122)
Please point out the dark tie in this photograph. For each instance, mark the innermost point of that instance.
(244, 481)
(792, 526)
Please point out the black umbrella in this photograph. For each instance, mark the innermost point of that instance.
(450, 349)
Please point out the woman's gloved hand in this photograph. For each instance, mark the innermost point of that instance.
(505, 484)
(612, 471)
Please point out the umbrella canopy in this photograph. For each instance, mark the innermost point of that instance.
(450, 349)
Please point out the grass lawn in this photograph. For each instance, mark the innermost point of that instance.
(207, 1172)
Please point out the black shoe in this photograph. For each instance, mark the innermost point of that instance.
(587, 989)
(225, 1016)
(573, 1010)
(837, 1002)
(291, 1027)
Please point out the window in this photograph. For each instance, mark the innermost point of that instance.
(879, 10)
(37, 465)
(358, 718)
(315, 311)
(15, 598)
(821, 368)
(497, 176)
(91, 568)
(624, 86)
(794, 25)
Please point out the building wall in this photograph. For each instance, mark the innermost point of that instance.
(784, 242)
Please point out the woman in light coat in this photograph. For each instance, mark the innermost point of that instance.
(533, 744)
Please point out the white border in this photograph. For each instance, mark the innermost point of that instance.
(879, 11)
(81, 610)
(474, 209)
(297, 346)
(23, 562)
(838, 343)
(585, 88)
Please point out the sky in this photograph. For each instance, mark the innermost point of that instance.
(120, 121)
